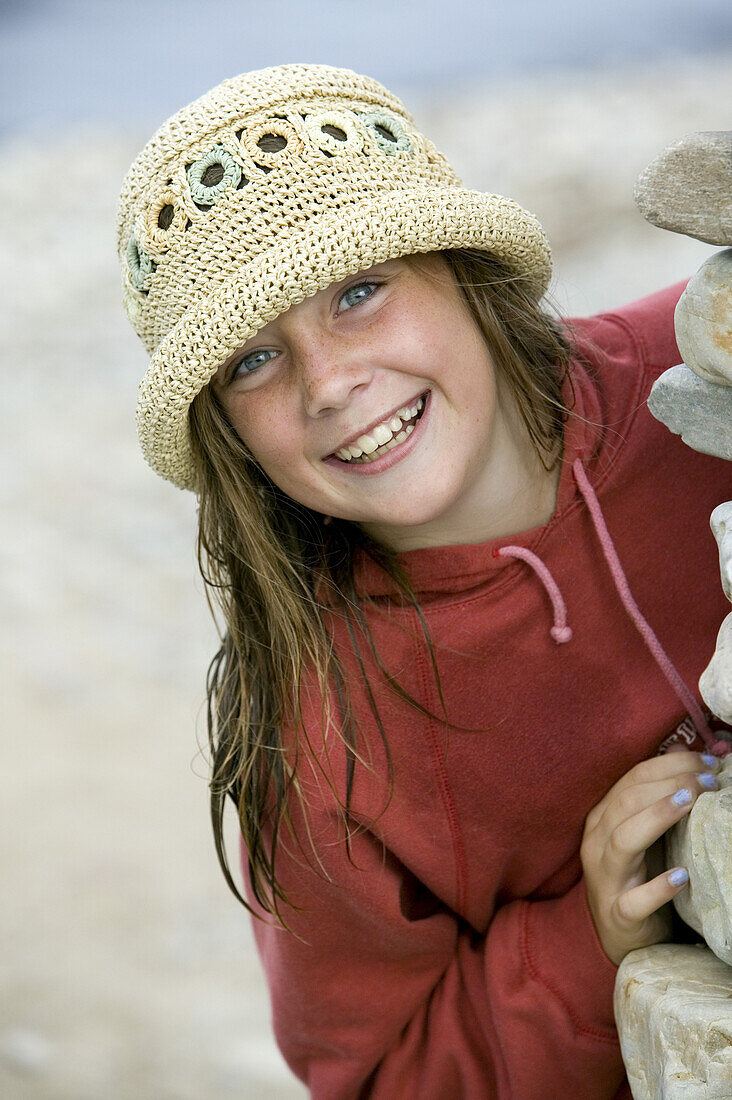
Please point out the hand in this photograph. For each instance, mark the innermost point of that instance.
(626, 909)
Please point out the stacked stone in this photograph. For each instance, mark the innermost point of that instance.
(673, 1002)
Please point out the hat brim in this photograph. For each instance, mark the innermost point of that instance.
(338, 245)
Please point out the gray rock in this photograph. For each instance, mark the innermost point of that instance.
(674, 1018)
(703, 320)
(720, 522)
(715, 683)
(700, 412)
(700, 842)
(688, 187)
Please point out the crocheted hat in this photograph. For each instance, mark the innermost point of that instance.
(264, 191)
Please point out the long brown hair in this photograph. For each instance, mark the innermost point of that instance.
(263, 556)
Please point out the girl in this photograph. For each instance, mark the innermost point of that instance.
(437, 707)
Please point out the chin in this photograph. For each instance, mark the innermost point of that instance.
(409, 524)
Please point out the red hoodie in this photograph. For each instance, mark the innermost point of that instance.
(454, 955)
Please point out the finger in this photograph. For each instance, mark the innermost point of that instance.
(669, 766)
(628, 842)
(631, 800)
(638, 903)
(671, 763)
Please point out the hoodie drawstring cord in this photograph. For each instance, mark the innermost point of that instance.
(664, 662)
(561, 632)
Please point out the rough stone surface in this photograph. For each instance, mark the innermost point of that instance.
(721, 523)
(700, 842)
(688, 187)
(715, 684)
(673, 1009)
(700, 412)
(703, 320)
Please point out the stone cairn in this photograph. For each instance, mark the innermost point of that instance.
(673, 1002)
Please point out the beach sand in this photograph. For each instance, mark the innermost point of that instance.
(128, 970)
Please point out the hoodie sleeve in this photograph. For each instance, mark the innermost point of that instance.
(373, 996)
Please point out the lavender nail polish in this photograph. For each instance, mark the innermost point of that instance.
(678, 876)
(682, 797)
(709, 760)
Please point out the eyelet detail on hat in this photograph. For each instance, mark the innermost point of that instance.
(334, 132)
(272, 143)
(165, 221)
(391, 137)
(139, 263)
(211, 176)
(269, 141)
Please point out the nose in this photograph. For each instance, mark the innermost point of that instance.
(329, 376)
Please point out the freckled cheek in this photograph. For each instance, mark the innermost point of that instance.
(277, 451)
(281, 451)
(267, 430)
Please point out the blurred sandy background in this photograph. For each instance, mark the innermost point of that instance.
(127, 969)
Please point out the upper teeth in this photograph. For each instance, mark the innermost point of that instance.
(386, 432)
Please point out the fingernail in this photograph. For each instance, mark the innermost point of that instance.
(678, 877)
(709, 760)
(682, 797)
(708, 780)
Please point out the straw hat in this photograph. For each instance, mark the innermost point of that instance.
(264, 191)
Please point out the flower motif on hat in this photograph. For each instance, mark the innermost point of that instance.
(139, 263)
(214, 174)
(269, 141)
(391, 137)
(334, 132)
(165, 220)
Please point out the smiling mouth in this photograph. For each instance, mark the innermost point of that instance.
(385, 436)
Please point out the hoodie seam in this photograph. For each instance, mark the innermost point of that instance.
(444, 788)
(636, 404)
(602, 1035)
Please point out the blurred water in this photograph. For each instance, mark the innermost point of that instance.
(66, 61)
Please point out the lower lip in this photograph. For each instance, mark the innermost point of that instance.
(389, 458)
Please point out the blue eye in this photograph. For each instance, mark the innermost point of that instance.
(355, 294)
(252, 362)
